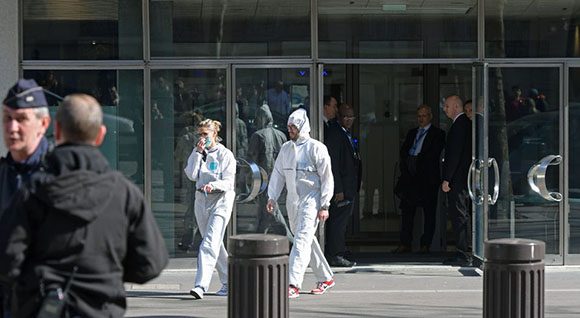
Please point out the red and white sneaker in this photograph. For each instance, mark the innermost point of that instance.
(322, 287)
(293, 292)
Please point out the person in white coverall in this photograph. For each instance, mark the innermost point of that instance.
(213, 168)
(303, 164)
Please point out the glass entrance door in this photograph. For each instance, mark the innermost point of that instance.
(385, 99)
(518, 155)
(263, 96)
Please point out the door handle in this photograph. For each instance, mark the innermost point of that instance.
(258, 184)
(493, 163)
(477, 199)
(537, 177)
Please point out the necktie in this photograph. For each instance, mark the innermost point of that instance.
(413, 151)
(353, 143)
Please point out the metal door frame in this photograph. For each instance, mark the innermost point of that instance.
(569, 259)
(550, 259)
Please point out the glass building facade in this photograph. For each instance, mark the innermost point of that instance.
(159, 67)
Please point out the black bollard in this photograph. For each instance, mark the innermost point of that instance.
(513, 279)
(258, 276)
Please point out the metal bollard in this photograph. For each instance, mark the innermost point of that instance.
(258, 276)
(513, 279)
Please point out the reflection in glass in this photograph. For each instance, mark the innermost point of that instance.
(532, 28)
(82, 30)
(179, 100)
(230, 28)
(264, 99)
(120, 93)
(521, 133)
(574, 163)
(408, 29)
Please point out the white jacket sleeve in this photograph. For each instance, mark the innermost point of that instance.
(193, 164)
(324, 167)
(228, 175)
(276, 184)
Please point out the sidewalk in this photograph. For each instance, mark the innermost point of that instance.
(372, 290)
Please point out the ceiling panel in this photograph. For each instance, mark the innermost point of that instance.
(70, 9)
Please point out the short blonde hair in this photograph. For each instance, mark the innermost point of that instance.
(210, 123)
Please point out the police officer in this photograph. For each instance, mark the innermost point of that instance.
(82, 229)
(25, 118)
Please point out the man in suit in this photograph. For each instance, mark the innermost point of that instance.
(346, 165)
(418, 184)
(329, 111)
(455, 169)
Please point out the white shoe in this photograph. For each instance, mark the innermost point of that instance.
(223, 291)
(196, 292)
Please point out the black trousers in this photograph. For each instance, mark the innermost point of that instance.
(459, 211)
(408, 211)
(335, 229)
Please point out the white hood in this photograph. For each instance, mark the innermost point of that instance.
(299, 118)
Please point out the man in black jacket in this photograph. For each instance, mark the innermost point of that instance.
(25, 118)
(329, 111)
(455, 169)
(83, 228)
(420, 178)
(346, 165)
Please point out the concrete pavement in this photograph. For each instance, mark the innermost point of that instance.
(372, 290)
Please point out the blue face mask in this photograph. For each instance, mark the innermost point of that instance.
(207, 142)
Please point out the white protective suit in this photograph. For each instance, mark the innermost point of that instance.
(304, 165)
(212, 210)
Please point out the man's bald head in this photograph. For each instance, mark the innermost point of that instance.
(79, 120)
(453, 106)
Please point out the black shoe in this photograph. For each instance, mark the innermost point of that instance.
(339, 261)
(402, 249)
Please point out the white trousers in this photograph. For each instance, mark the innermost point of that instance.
(306, 250)
(212, 214)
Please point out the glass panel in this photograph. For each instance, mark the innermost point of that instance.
(454, 79)
(574, 163)
(82, 30)
(408, 29)
(524, 119)
(530, 28)
(219, 29)
(388, 100)
(120, 93)
(179, 100)
(264, 99)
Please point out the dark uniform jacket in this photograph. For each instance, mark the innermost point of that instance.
(79, 213)
(13, 174)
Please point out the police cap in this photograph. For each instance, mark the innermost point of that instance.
(25, 94)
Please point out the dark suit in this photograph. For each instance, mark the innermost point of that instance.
(330, 128)
(346, 167)
(419, 183)
(455, 170)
